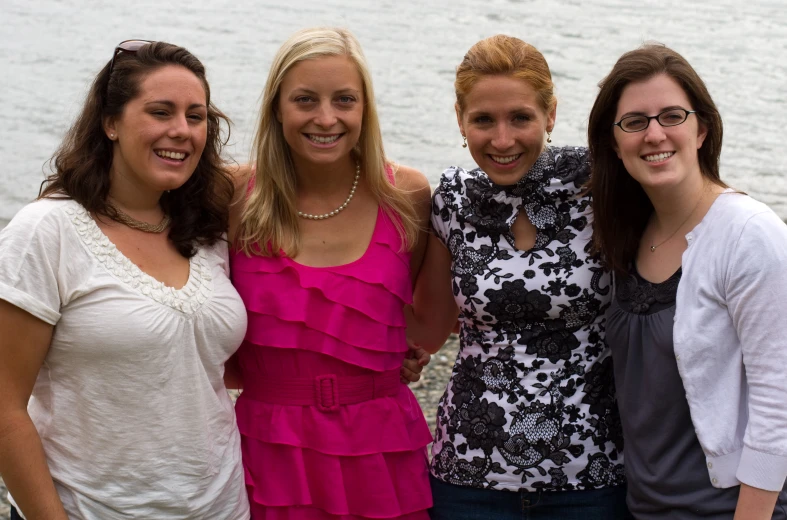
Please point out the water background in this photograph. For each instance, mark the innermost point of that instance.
(50, 50)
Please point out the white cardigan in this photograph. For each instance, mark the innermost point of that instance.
(730, 341)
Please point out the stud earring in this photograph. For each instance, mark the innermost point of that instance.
(111, 136)
(549, 137)
(464, 142)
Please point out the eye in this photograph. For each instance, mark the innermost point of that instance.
(304, 99)
(159, 113)
(522, 118)
(196, 117)
(482, 120)
(634, 123)
(346, 99)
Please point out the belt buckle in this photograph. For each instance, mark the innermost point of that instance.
(327, 395)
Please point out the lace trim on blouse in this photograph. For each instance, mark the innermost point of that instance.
(188, 299)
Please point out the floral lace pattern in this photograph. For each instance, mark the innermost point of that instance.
(637, 295)
(188, 299)
(530, 403)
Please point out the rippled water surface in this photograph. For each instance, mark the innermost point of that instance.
(50, 50)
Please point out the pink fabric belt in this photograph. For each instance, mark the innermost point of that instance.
(326, 392)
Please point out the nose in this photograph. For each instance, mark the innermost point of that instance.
(179, 127)
(503, 137)
(654, 133)
(325, 116)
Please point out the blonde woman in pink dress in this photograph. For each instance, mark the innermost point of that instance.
(328, 237)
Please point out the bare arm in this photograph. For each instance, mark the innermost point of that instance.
(22, 461)
(755, 503)
(434, 311)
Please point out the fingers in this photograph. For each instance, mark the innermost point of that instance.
(411, 371)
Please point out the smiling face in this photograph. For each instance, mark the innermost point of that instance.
(160, 135)
(505, 126)
(320, 107)
(659, 156)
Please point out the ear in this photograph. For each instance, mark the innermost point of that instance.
(702, 133)
(551, 117)
(277, 110)
(459, 119)
(109, 126)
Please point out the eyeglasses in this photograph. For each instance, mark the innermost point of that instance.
(131, 46)
(671, 117)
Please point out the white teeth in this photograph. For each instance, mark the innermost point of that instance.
(505, 159)
(324, 140)
(171, 155)
(659, 156)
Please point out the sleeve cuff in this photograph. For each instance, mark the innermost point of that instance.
(762, 470)
(29, 304)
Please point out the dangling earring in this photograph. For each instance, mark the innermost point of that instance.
(464, 142)
(549, 137)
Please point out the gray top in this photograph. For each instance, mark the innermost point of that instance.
(665, 465)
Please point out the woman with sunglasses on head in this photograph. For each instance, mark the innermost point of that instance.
(699, 295)
(115, 285)
(528, 424)
(328, 238)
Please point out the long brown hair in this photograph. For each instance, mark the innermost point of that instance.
(269, 222)
(621, 208)
(80, 166)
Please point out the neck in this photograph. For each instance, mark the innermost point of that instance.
(673, 205)
(324, 178)
(138, 201)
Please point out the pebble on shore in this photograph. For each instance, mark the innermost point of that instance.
(428, 392)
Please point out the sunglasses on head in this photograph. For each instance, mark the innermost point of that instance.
(131, 46)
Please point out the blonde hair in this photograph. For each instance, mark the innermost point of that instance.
(269, 222)
(502, 55)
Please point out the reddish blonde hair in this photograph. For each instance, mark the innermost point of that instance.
(502, 55)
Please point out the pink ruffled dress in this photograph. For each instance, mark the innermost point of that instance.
(316, 445)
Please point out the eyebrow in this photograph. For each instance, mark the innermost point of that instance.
(302, 90)
(170, 104)
(665, 109)
(510, 112)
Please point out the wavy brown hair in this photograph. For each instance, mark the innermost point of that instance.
(621, 208)
(80, 166)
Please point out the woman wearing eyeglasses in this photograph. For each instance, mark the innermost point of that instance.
(700, 291)
(117, 311)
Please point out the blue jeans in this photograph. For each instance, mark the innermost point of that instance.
(465, 503)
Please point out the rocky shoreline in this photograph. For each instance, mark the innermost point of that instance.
(428, 392)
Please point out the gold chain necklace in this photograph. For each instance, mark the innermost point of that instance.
(343, 205)
(128, 220)
(702, 195)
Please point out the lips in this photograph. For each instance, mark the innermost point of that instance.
(505, 159)
(171, 154)
(323, 139)
(658, 157)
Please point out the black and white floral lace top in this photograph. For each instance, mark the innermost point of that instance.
(530, 403)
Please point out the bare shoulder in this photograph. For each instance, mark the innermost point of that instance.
(410, 179)
(240, 174)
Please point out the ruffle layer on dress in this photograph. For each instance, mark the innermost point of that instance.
(336, 485)
(387, 424)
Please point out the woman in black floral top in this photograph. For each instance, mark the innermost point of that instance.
(528, 423)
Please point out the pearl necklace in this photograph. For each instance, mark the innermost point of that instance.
(133, 223)
(344, 204)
